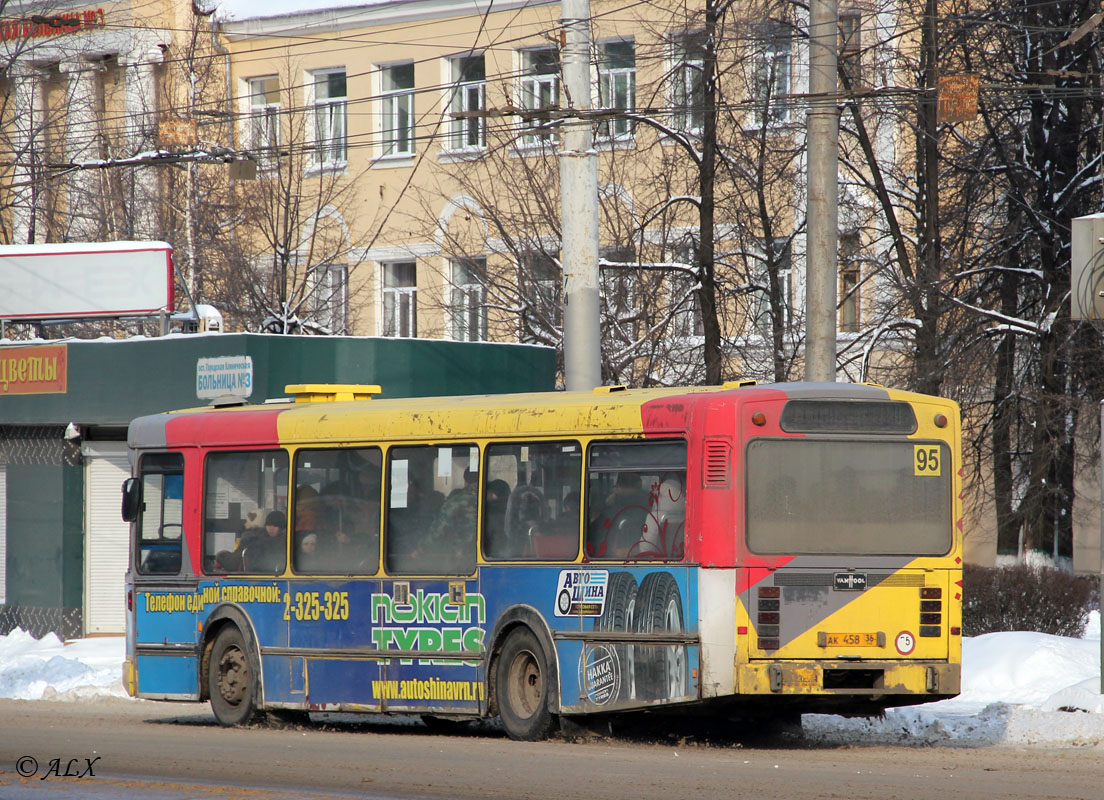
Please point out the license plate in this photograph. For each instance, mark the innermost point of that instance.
(849, 640)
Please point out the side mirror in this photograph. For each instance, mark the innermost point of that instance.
(132, 499)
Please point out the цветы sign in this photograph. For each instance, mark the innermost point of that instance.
(33, 370)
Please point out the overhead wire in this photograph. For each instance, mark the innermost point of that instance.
(108, 123)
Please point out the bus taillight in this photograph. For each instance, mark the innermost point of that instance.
(931, 611)
(130, 599)
(769, 619)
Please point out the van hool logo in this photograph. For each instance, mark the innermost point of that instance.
(599, 673)
(581, 592)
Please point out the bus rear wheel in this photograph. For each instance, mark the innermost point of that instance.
(522, 686)
(231, 679)
(661, 670)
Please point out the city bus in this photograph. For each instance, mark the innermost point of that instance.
(533, 557)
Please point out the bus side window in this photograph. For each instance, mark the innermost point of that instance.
(160, 524)
(245, 512)
(636, 506)
(531, 508)
(432, 503)
(336, 511)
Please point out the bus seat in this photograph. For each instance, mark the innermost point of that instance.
(627, 531)
(554, 545)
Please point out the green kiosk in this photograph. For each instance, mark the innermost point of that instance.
(64, 411)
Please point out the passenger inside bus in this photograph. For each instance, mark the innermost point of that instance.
(253, 530)
(495, 499)
(452, 532)
(265, 553)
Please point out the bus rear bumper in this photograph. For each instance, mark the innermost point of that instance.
(903, 681)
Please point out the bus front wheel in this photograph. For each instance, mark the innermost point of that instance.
(521, 686)
(231, 679)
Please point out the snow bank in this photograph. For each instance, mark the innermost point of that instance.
(1018, 688)
(48, 669)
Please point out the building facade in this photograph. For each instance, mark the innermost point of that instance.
(391, 169)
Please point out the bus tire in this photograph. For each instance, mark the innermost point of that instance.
(620, 615)
(521, 687)
(232, 679)
(661, 670)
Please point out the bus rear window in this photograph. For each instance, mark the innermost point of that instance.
(849, 497)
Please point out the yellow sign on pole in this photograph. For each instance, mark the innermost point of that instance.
(177, 132)
(958, 98)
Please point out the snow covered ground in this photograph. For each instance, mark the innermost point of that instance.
(1017, 688)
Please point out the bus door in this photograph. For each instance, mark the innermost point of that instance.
(430, 610)
(245, 534)
(860, 532)
(163, 591)
(330, 604)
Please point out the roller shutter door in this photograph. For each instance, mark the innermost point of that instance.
(106, 537)
(3, 530)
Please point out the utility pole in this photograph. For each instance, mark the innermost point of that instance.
(822, 123)
(579, 208)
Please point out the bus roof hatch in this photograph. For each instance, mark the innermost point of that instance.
(331, 392)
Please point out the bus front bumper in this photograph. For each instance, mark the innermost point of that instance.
(130, 676)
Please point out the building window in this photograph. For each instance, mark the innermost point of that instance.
(264, 116)
(850, 51)
(688, 90)
(617, 87)
(540, 89)
(329, 300)
(686, 322)
(468, 309)
(850, 284)
(762, 323)
(400, 299)
(397, 97)
(330, 99)
(619, 286)
(469, 78)
(771, 82)
(540, 284)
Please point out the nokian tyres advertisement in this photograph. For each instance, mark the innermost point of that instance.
(621, 636)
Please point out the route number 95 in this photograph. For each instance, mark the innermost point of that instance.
(925, 459)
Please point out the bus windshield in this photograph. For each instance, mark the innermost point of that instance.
(807, 496)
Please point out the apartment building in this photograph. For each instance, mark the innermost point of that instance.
(426, 135)
(85, 86)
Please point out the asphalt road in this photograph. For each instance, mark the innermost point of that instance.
(151, 751)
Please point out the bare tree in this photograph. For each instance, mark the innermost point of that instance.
(697, 209)
(291, 254)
